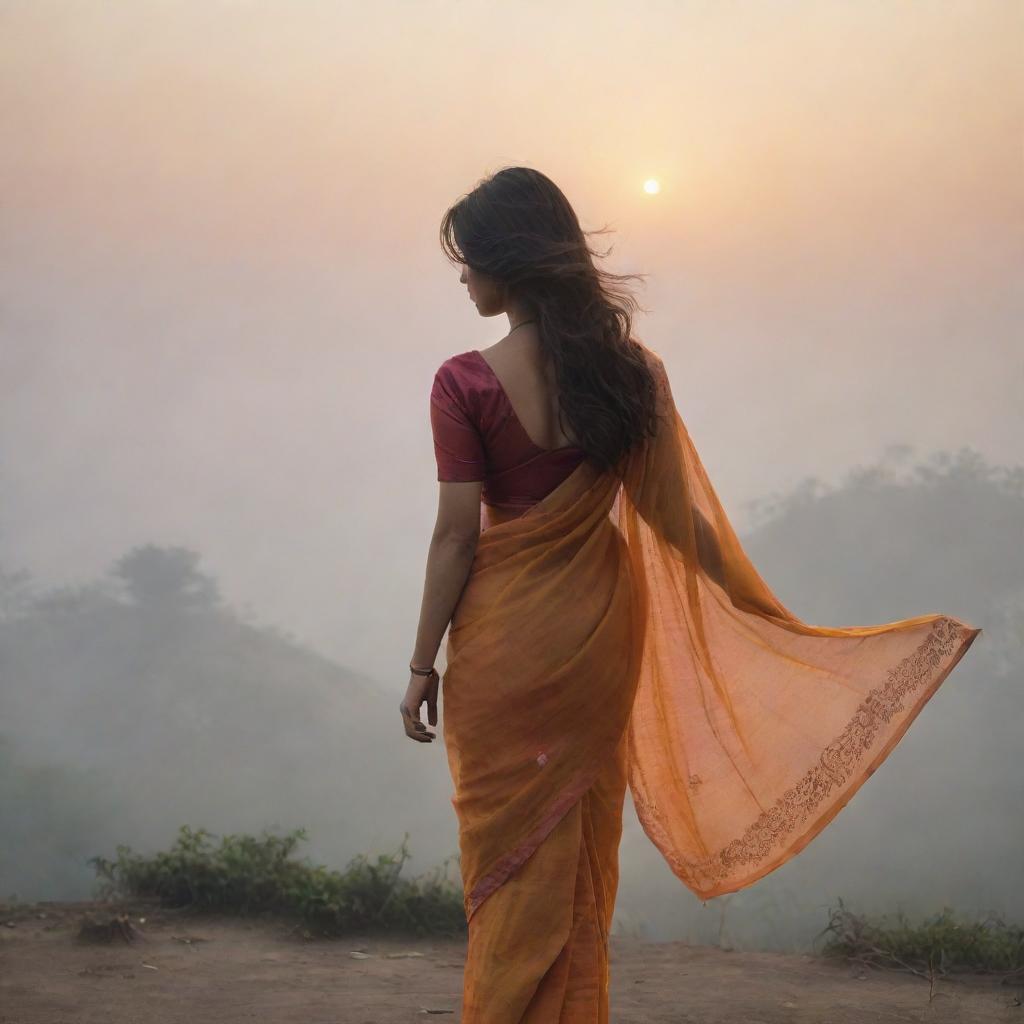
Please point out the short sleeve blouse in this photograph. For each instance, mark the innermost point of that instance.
(458, 444)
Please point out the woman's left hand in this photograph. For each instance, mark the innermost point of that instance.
(421, 688)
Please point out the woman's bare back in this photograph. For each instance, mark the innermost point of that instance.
(528, 380)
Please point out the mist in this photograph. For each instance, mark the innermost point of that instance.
(221, 307)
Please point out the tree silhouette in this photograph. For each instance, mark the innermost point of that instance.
(15, 593)
(166, 579)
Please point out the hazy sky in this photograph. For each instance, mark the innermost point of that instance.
(222, 299)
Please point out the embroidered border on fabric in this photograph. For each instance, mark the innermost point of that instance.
(835, 766)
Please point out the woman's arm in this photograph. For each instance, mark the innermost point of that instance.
(449, 559)
(661, 492)
(709, 553)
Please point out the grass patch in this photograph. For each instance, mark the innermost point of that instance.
(245, 874)
(939, 946)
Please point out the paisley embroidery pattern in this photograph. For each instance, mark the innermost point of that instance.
(838, 762)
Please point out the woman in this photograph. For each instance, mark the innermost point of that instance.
(606, 627)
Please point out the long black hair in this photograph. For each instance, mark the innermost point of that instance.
(518, 227)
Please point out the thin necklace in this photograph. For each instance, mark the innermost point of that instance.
(520, 324)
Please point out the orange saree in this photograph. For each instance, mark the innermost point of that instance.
(616, 633)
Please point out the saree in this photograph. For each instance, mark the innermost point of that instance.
(615, 633)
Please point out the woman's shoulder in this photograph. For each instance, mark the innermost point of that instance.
(461, 378)
(652, 358)
(460, 364)
(654, 362)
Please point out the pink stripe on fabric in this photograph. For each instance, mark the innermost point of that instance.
(517, 857)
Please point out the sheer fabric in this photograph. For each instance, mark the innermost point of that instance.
(618, 621)
(538, 945)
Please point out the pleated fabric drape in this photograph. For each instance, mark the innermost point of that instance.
(618, 621)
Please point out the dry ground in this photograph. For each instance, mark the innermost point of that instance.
(186, 969)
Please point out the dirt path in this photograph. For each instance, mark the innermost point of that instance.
(190, 970)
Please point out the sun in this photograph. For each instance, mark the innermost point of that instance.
(652, 187)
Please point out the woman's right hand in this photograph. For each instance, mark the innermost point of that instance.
(421, 688)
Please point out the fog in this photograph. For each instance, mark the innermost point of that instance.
(222, 302)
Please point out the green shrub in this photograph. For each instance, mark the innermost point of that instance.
(245, 874)
(938, 946)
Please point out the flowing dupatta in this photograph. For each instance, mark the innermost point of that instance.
(624, 601)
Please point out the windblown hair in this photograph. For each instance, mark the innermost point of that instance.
(518, 227)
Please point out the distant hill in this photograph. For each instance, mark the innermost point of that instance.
(141, 702)
(156, 706)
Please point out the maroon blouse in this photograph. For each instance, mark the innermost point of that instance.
(477, 436)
